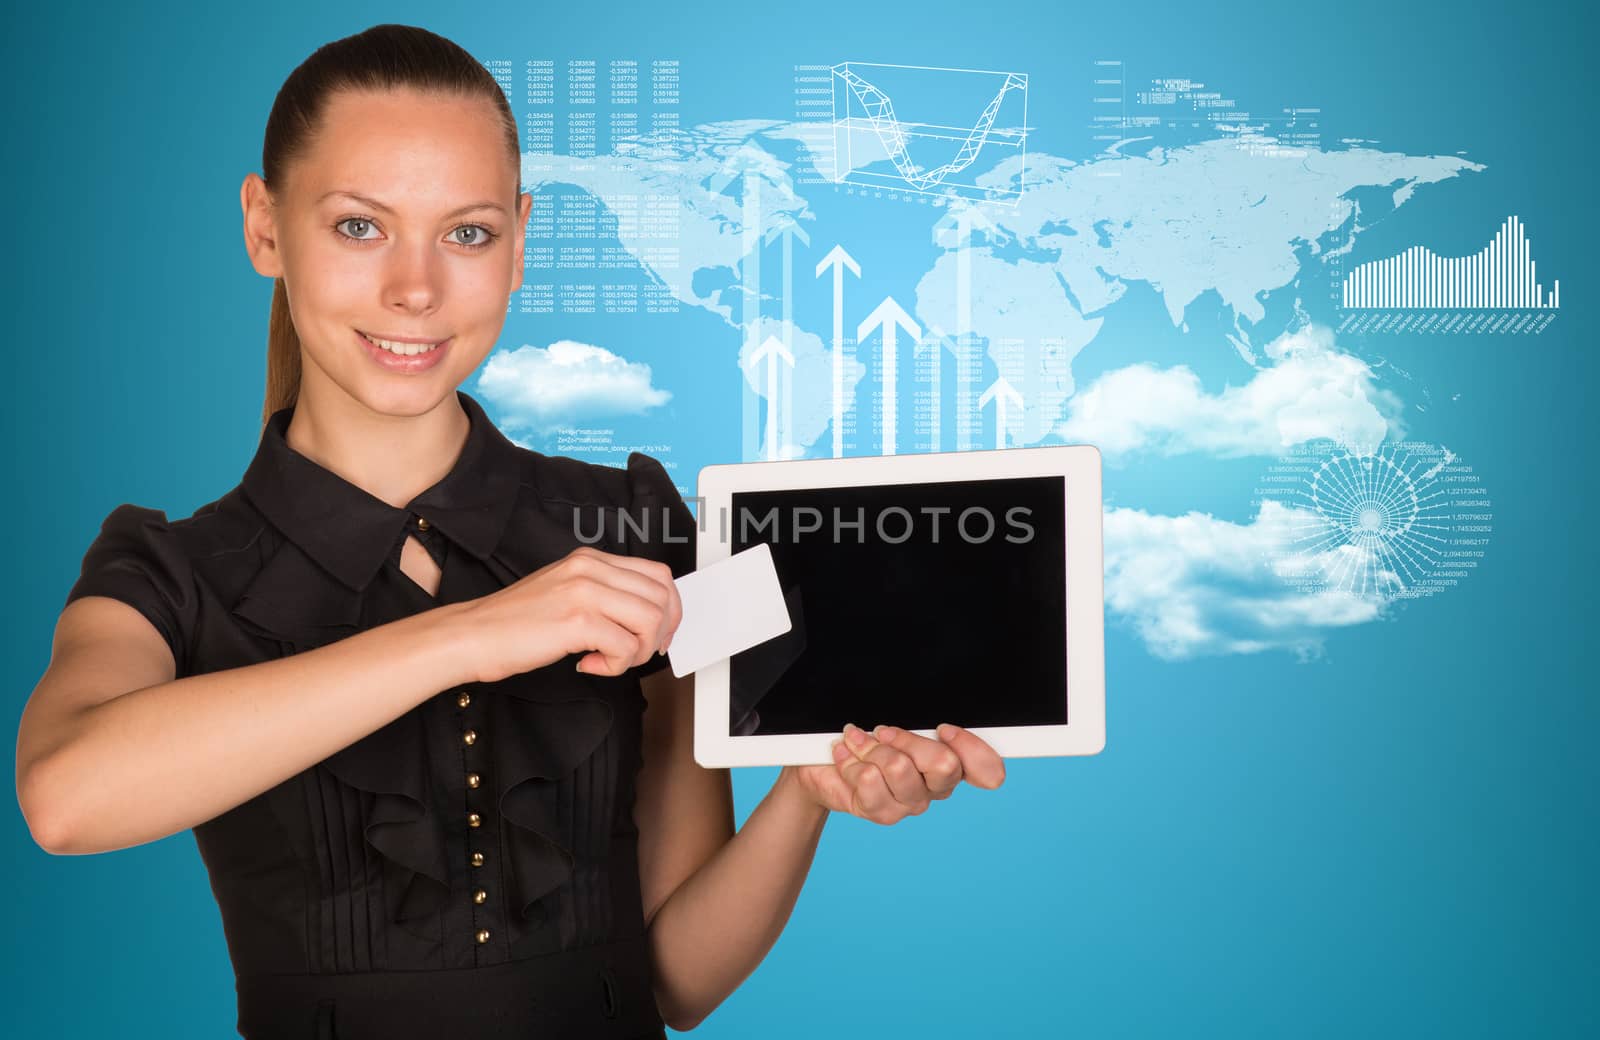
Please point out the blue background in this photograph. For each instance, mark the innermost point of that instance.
(1396, 838)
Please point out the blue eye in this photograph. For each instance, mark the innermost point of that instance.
(483, 237)
(354, 220)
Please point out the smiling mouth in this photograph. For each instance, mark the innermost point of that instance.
(403, 348)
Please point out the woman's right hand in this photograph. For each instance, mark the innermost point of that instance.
(621, 609)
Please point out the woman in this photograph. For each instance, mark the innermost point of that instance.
(440, 783)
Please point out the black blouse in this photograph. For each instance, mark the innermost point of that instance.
(469, 869)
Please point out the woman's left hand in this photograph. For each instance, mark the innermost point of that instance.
(892, 773)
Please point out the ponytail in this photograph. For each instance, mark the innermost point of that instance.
(283, 355)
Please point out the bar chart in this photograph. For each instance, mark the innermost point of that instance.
(1501, 276)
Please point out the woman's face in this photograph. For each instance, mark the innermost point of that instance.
(401, 222)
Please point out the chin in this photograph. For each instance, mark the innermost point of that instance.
(399, 397)
(411, 401)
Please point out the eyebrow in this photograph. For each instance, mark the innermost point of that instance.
(375, 204)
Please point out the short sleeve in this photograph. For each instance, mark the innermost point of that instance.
(661, 527)
(137, 558)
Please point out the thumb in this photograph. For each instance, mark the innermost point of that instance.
(596, 663)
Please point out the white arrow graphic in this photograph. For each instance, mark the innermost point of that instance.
(998, 391)
(962, 220)
(889, 315)
(771, 351)
(935, 344)
(790, 231)
(954, 231)
(745, 167)
(838, 260)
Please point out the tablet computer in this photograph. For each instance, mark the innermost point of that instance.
(962, 587)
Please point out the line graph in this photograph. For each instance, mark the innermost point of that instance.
(879, 144)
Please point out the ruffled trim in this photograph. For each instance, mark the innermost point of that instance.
(293, 600)
(559, 725)
(390, 764)
(542, 727)
(561, 717)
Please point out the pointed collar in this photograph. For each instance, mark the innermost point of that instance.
(348, 531)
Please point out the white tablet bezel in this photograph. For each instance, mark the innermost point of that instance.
(1083, 734)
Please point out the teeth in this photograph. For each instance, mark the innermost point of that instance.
(403, 349)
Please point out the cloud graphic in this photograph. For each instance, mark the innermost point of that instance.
(1312, 390)
(1194, 585)
(542, 388)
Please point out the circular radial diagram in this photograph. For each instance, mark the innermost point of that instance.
(1401, 522)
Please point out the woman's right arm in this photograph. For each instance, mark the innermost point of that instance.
(114, 751)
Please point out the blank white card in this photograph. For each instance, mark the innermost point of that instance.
(728, 606)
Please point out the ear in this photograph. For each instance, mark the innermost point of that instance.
(260, 229)
(524, 207)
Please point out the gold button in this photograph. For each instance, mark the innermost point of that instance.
(479, 896)
(483, 935)
(474, 820)
(463, 699)
(470, 737)
(422, 523)
(477, 859)
(473, 779)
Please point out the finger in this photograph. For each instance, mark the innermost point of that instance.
(671, 605)
(661, 575)
(644, 578)
(904, 779)
(857, 741)
(614, 647)
(939, 765)
(870, 796)
(596, 601)
(639, 577)
(650, 570)
(981, 763)
(674, 614)
(834, 789)
(899, 771)
(625, 594)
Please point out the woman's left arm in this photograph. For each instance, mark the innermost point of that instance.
(715, 901)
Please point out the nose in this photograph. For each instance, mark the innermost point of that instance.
(413, 278)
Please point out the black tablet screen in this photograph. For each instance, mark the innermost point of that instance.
(913, 604)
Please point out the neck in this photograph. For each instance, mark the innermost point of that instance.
(394, 458)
